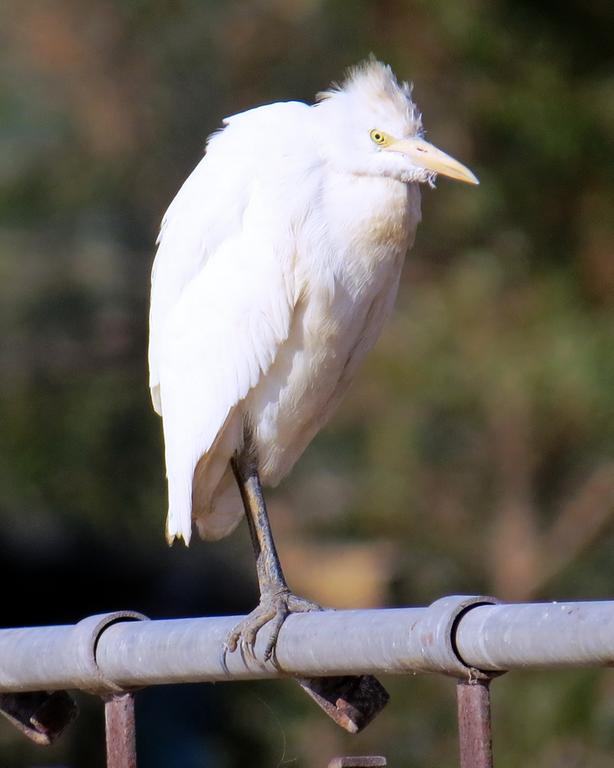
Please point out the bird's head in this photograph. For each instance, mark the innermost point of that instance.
(370, 126)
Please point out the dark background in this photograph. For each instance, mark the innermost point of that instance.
(474, 452)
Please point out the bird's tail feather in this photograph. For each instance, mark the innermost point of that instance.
(179, 517)
(208, 493)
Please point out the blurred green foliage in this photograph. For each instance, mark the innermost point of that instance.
(477, 444)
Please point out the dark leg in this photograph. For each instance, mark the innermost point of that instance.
(276, 600)
(352, 702)
(270, 575)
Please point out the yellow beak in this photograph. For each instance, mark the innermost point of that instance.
(427, 156)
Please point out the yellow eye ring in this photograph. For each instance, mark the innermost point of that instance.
(379, 137)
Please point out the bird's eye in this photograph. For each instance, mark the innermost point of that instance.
(379, 137)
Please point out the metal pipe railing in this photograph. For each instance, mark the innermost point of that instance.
(456, 635)
(537, 635)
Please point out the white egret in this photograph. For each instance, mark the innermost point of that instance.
(278, 263)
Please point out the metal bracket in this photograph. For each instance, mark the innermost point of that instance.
(39, 715)
(87, 633)
(438, 632)
(352, 702)
(42, 715)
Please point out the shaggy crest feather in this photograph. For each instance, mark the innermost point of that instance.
(372, 81)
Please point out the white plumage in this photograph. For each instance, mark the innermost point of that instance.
(278, 263)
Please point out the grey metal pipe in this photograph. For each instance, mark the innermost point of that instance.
(310, 645)
(315, 644)
(537, 635)
(109, 653)
(191, 650)
(57, 658)
(454, 635)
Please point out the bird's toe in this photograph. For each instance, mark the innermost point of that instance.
(273, 609)
(301, 605)
(277, 620)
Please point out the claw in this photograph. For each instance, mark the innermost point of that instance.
(272, 608)
(223, 655)
(249, 637)
(278, 620)
(232, 640)
(250, 648)
(243, 650)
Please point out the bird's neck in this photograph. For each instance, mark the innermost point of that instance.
(372, 215)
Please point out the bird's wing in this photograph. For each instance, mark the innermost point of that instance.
(219, 339)
(208, 210)
(223, 293)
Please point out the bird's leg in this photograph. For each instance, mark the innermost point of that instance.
(276, 600)
(352, 702)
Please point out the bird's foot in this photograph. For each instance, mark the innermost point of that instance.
(273, 607)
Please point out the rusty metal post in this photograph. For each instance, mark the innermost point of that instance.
(120, 731)
(473, 698)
